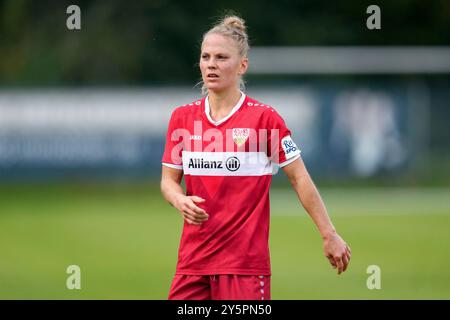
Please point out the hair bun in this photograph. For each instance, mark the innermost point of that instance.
(234, 22)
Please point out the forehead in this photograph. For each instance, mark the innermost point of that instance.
(215, 43)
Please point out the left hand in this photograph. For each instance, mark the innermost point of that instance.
(337, 251)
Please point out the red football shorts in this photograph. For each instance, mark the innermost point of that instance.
(220, 287)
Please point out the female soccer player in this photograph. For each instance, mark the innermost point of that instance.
(226, 145)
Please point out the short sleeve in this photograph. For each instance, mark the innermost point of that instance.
(282, 149)
(172, 156)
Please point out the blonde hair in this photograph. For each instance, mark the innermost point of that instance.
(233, 27)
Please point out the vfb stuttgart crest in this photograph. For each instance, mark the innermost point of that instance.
(240, 135)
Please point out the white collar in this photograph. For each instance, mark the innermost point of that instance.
(235, 108)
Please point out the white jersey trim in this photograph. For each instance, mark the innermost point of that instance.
(174, 166)
(289, 161)
(233, 111)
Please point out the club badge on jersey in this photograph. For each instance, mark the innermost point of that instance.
(240, 135)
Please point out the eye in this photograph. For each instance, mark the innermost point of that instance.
(221, 57)
(205, 56)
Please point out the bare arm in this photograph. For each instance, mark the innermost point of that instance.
(335, 248)
(173, 193)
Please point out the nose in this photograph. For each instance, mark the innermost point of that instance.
(212, 64)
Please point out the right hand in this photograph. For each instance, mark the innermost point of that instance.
(190, 211)
(337, 251)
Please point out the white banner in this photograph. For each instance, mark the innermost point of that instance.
(226, 163)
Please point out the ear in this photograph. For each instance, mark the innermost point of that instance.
(243, 66)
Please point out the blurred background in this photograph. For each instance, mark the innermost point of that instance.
(83, 117)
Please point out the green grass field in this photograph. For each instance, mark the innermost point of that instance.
(125, 239)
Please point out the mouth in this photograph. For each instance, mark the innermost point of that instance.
(212, 76)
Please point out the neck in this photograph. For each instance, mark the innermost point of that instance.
(221, 103)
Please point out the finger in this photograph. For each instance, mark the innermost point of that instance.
(331, 259)
(349, 250)
(189, 218)
(192, 222)
(188, 213)
(197, 199)
(195, 216)
(347, 259)
(349, 255)
(333, 264)
(339, 263)
(187, 208)
(345, 262)
(196, 209)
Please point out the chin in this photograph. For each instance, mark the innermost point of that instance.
(215, 88)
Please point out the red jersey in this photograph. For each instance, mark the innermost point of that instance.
(229, 163)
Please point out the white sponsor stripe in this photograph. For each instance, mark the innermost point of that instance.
(226, 163)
